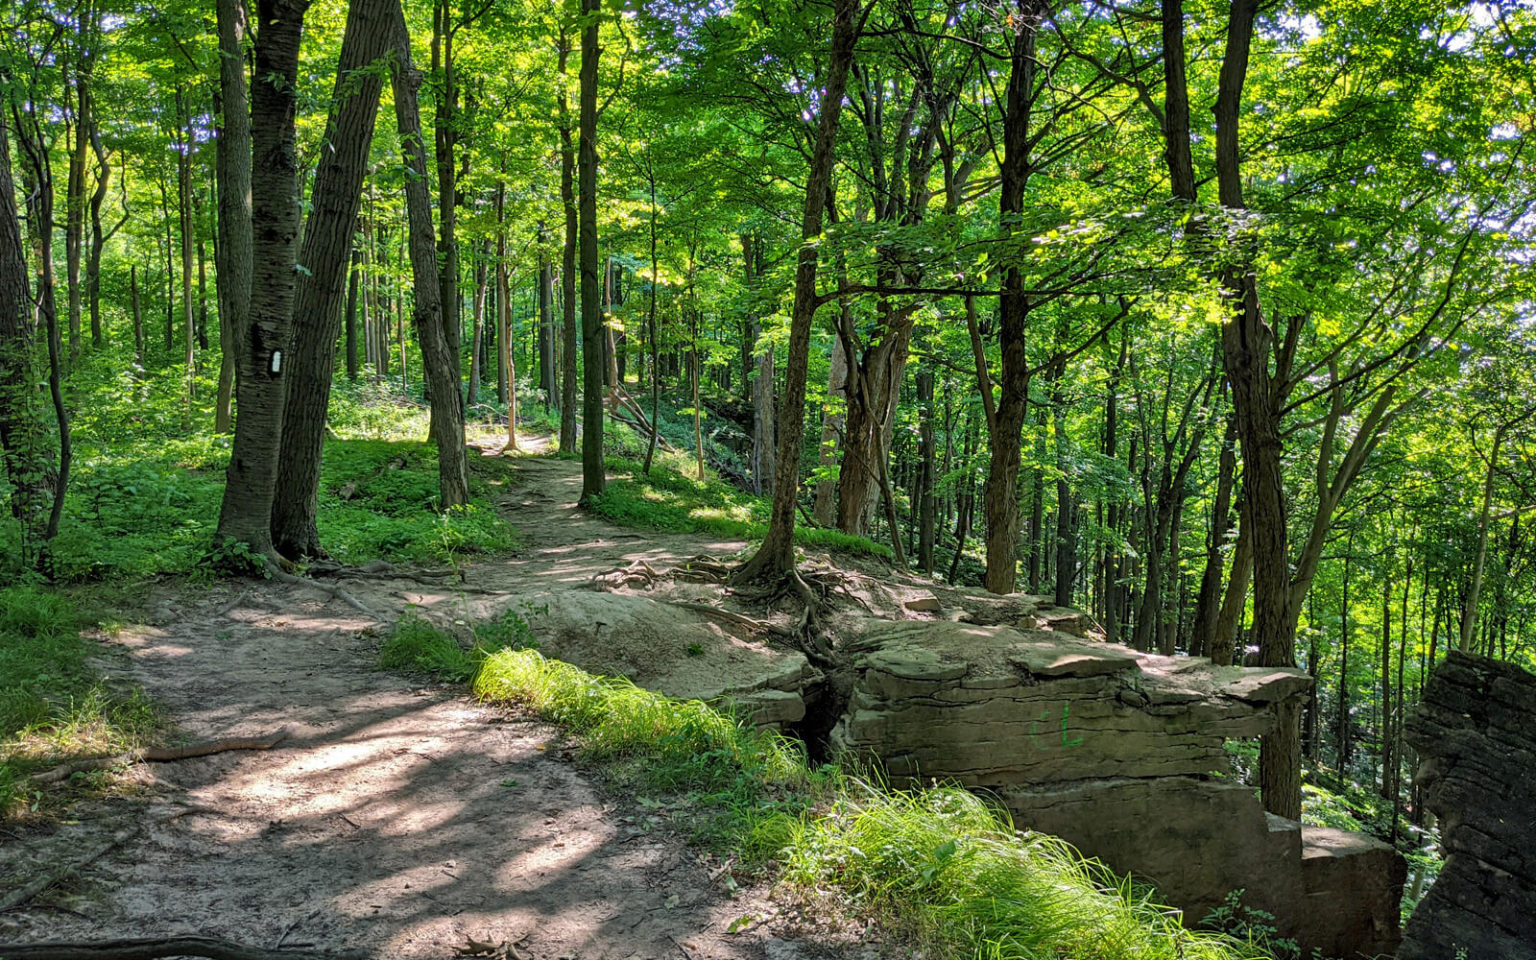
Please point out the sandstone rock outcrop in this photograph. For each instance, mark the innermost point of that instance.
(1476, 732)
(1121, 753)
(673, 650)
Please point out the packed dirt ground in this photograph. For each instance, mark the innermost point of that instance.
(396, 819)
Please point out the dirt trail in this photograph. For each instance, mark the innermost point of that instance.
(395, 819)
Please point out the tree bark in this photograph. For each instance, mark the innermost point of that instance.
(1001, 494)
(22, 442)
(825, 510)
(438, 366)
(1230, 620)
(251, 481)
(353, 281)
(927, 455)
(764, 416)
(232, 165)
(568, 255)
(1208, 601)
(321, 287)
(593, 478)
(1474, 592)
(1257, 396)
(185, 231)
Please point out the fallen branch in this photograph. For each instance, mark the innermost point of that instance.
(150, 948)
(160, 755)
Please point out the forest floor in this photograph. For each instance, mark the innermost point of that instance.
(402, 820)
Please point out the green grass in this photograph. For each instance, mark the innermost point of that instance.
(938, 865)
(671, 500)
(54, 706)
(149, 478)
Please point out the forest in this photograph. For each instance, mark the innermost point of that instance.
(1208, 321)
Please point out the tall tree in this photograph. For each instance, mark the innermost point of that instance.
(439, 367)
(775, 559)
(232, 163)
(322, 283)
(245, 517)
(593, 478)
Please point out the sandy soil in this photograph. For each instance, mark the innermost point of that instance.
(396, 819)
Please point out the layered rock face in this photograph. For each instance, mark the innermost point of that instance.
(673, 650)
(1120, 753)
(1476, 732)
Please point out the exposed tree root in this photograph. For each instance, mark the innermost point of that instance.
(637, 574)
(732, 617)
(161, 755)
(275, 570)
(808, 634)
(150, 948)
(702, 569)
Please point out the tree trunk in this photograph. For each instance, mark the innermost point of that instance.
(1230, 620)
(504, 330)
(825, 510)
(99, 237)
(232, 163)
(776, 558)
(353, 282)
(568, 257)
(1474, 593)
(1001, 495)
(764, 416)
(138, 328)
(321, 287)
(1208, 602)
(477, 330)
(445, 139)
(867, 427)
(74, 197)
(184, 222)
(246, 515)
(1247, 340)
(927, 455)
(438, 365)
(549, 382)
(22, 437)
(593, 478)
